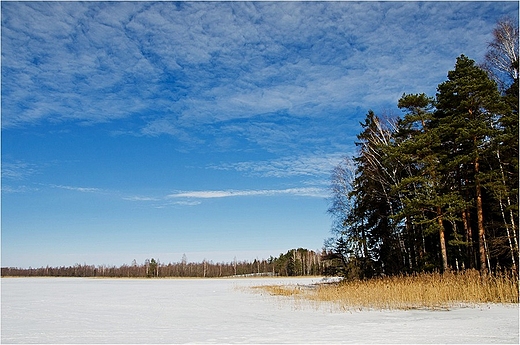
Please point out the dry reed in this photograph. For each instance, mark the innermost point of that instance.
(424, 291)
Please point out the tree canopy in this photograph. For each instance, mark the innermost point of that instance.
(435, 189)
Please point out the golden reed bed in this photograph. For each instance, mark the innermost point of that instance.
(422, 291)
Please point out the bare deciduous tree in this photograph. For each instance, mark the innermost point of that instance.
(501, 60)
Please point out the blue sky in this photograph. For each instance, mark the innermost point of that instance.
(133, 130)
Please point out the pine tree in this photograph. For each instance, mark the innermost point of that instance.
(467, 104)
(426, 199)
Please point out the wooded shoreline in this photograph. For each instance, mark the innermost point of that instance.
(296, 262)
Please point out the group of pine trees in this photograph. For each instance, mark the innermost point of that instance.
(436, 189)
(296, 262)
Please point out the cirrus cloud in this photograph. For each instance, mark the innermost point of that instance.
(180, 69)
(212, 194)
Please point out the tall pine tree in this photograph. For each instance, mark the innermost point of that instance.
(467, 106)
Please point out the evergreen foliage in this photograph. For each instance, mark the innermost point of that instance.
(436, 189)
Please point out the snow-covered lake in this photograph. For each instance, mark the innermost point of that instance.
(77, 310)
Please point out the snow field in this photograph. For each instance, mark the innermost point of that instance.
(137, 311)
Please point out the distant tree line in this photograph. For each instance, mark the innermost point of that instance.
(436, 189)
(296, 262)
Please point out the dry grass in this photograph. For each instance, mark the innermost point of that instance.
(424, 291)
(281, 290)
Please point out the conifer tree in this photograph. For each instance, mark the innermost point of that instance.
(426, 198)
(467, 104)
(437, 189)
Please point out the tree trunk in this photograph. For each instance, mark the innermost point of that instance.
(442, 240)
(480, 220)
(469, 237)
(513, 227)
(508, 234)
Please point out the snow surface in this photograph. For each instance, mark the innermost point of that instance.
(87, 310)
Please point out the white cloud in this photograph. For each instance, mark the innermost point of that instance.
(313, 165)
(79, 189)
(208, 62)
(18, 170)
(211, 194)
(18, 189)
(206, 194)
(195, 197)
(140, 198)
(185, 203)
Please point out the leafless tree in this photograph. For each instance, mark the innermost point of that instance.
(501, 60)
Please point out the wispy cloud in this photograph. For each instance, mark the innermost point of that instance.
(196, 197)
(313, 165)
(16, 175)
(193, 69)
(185, 203)
(79, 189)
(160, 202)
(165, 203)
(140, 198)
(18, 170)
(212, 194)
(18, 189)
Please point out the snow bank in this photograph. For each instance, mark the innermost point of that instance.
(75, 310)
